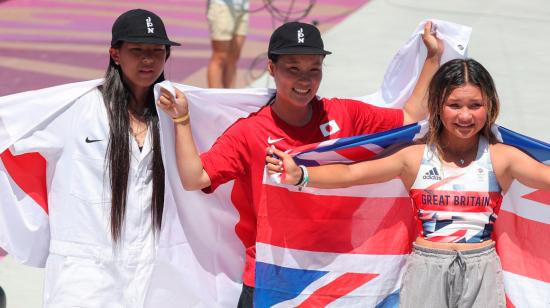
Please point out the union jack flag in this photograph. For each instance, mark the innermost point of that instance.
(347, 247)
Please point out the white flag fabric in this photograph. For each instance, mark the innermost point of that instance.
(404, 69)
(24, 229)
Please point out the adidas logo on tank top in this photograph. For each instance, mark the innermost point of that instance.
(432, 175)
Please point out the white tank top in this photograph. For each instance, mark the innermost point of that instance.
(456, 205)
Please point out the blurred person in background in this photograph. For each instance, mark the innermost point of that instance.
(2, 298)
(228, 24)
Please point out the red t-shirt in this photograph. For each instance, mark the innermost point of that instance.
(239, 153)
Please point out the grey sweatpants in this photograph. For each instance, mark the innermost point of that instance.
(436, 278)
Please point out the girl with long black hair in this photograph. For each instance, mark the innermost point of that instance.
(106, 191)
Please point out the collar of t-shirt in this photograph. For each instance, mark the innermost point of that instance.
(304, 133)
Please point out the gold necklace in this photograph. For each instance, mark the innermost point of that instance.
(139, 132)
(137, 120)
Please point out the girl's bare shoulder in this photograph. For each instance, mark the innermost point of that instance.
(503, 150)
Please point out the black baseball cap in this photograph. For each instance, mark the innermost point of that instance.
(296, 38)
(140, 26)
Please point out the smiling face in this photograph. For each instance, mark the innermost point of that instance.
(141, 64)
(462, 102)
(464, 113)
(297, 78)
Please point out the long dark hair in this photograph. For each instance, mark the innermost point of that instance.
(116, 96)
(454, 74)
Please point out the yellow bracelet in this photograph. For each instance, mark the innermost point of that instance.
(181, 119)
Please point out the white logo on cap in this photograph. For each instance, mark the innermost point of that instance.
(301, 36)
(149, 23)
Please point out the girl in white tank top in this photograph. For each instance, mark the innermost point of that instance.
(456, 204)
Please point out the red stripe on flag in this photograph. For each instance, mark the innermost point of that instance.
(449, 238)
(540, 196)
(509, 303)
(336, 224)
(338, 288)
(444, 181)
(28, 171)
(523, 246)
(304, 148)
(356, 153)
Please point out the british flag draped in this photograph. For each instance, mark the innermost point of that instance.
(347, 247)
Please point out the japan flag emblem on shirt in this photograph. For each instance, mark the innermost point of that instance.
(329, 128)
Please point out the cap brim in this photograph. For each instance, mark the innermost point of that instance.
(149, 40)
(300, 51)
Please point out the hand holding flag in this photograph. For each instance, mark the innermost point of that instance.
(281, 162)
(173, 102)
(433, 44)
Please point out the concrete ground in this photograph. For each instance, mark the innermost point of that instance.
(508, 39)
(22, 284)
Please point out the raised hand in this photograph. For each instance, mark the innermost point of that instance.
(432, 43)
(290, 172)
(175, 107)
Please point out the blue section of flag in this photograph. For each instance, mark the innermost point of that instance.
(385, 139)
(392, 301)
(537, 149)
(276, 284)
